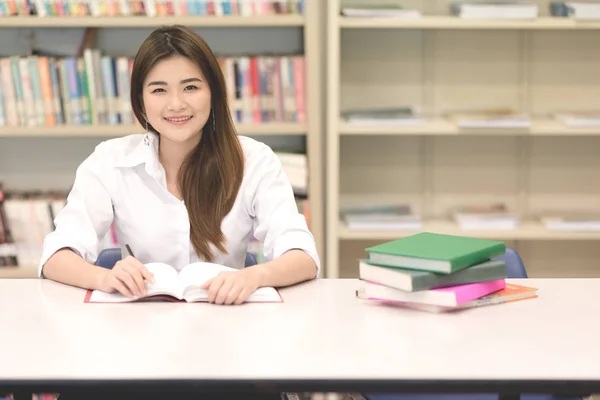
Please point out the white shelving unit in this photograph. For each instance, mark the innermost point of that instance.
(310, 23)
(271, 129)
(259, 21)
(438, 64)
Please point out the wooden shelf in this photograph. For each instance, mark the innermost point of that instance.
(442, 127)
(25, 272)
(143, 21)
(307, 33)
(527, 231)
(449, 22)
(121, 130)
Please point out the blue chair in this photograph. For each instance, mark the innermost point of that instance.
(515, 268)
(514, 264)
(109, 257)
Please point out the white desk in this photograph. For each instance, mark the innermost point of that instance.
(320, 339)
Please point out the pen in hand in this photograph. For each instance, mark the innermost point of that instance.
(129, 250)
(131, 254)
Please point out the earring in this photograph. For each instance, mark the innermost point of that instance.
(214, 122)
(147, 135)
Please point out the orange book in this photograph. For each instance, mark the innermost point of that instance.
(46, 86)
(299, 73)
(512, 292)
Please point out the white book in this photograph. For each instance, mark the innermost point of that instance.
(481, 221)
(497, 10)
(184, 285)
(584, 11)
(579, 120)
(383, 222)
(380, 12)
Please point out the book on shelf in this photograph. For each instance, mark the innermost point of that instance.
(8, 250)
(295, 166)
(375, 9)
(381, 217)
(494, 216)
(510, 293)
(150, 8)
(490, 118)
(93, 89)
(579, 119)
(573, 221)
(184, 285)
(398, 116)
(578, 10)
(434, 252)
(491, 10)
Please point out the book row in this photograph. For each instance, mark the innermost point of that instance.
(95, 89)
(469, 119)
(150, 8)
(525, 10)
(490, 217)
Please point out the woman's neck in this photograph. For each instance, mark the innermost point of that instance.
(172, 155)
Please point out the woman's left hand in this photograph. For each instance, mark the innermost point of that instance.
(232, 287)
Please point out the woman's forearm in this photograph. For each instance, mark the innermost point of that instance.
(291, 267)
(67, 267)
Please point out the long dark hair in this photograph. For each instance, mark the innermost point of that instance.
(211, 175)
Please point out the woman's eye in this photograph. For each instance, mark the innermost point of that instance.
(191, 87)
(158, 90)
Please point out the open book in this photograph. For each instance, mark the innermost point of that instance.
(181, 286)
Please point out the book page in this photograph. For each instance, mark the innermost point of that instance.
(197, 273)
(166, 280)
(194, 275)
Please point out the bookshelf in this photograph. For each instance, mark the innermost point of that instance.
(438, 64)
(259, 21)
(450, 22)
(295, 34)
(270, 129)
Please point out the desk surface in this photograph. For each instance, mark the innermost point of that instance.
(321, 332)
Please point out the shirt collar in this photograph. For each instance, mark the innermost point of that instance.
(145, 152)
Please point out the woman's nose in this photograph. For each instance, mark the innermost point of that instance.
(176, 102)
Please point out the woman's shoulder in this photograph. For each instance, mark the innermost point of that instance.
(256, 151)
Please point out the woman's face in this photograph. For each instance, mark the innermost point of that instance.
(177, 99)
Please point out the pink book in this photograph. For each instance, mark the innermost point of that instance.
(452, 296)
(299, 88)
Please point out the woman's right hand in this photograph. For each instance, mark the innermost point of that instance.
(128, 277)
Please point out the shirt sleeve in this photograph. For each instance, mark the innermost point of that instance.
(86, 217)
(277, 221)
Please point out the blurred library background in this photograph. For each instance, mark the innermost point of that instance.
(415, 115)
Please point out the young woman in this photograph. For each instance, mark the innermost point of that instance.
(188, 190)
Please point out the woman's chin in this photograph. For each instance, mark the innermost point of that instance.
(181, 133)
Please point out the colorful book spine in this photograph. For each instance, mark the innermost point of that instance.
(94, 89)
(150, 8)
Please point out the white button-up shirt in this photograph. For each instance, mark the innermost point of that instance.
(123, 182)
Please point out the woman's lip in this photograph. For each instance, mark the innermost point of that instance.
(181, 122)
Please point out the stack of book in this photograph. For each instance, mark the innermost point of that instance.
(437, 272)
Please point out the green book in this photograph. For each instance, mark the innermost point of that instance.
(412, 281)
(435, 252)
